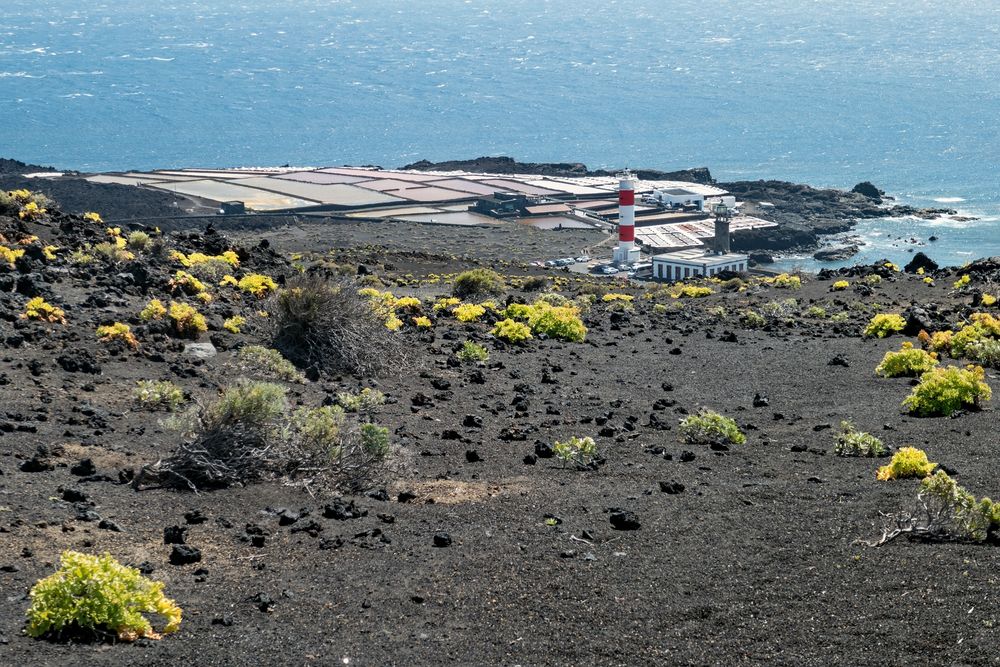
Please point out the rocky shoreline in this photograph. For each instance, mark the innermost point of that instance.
(805, 214)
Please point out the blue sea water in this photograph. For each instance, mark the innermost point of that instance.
(905, 93)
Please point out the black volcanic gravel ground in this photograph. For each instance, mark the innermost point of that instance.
(756, 561)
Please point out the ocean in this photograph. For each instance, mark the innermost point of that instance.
(904, 93)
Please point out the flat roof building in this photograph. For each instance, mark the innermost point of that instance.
(684, 264)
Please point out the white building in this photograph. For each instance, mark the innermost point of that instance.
(677, 197)
(683, 264)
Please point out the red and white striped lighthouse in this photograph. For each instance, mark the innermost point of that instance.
(626, 252)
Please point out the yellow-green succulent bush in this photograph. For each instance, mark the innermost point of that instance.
(908, 361)
(562, 322)
(907, 462)
(98, 593)
(188, 322)
(884, 324)
(982, 326)
(257, 284)
(785, 281)
(154, 310)
(10, 255)
(117, 331)
(234, 324)
(40, 309)
(709, 427)
(840, 286)
(468, 312)
(944, 390)
(186, 283)
(511, 331)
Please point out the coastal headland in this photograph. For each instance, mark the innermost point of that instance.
(803, 215)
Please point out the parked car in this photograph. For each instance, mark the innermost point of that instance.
(583, 258)
(608, 270)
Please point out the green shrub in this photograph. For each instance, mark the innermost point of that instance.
(983, 326)
(710, 428)
(562, 322)
(163, 394)
(780, 309)
(909, 361)
(208, 267)
(817, 312)
(375, 440)
(472, 352)
(885, 324)
(942, 391)
(717, 313)
(840, 285)
(478, 282)
(535, 284)
(581, 452)
(324, 325)
(956, 512)
(269, 362)
(253, 404)
(752, 320)
(511, 331)
(320, 430)
(907, 462)
(872, 279)
(98, 593)
(138, 241)
(851, 442)
(556, 299)
(365, 402)
(985, 351)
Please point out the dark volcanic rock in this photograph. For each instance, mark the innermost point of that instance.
(921, 261)
(868, 190)
(442, 539)
(174, 534)
(183, 554)
(917, 320)
(836, 254)
(624, 520)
